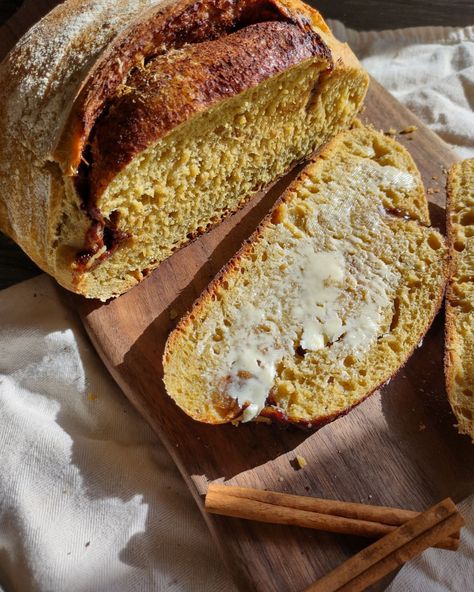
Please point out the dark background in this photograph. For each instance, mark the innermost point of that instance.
(358, 14)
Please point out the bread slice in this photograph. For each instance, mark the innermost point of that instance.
(132, 131)
(459, 359)
(325, 302)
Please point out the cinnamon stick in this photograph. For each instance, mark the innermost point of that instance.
(382, 514)
(309, 512)
(391, 551)
(240, 507)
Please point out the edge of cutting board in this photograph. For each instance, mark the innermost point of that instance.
(398, 449)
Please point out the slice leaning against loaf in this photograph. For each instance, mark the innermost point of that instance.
(325, 302)
(459, 360)
(133, 126)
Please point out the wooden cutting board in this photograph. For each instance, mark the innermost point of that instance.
(397, 448)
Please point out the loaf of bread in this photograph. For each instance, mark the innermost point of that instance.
(459, 360)
(132, 125)
(325, 302)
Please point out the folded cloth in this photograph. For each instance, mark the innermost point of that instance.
(428, 69)
(89, 499)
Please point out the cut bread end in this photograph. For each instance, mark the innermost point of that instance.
(210, 166)
(325, 302)
(459, 357)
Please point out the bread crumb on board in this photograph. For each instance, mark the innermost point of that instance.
(409, 129)
(299, 462)
(406, 130)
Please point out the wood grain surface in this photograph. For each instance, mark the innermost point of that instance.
(365, 15)
(398, 448)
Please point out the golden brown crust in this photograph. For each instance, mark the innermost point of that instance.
(165, 27)
(175, 87)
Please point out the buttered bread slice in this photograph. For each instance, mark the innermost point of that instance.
(460, 296)
(324, 303)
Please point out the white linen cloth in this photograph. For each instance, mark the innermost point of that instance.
(428, 69)
(89, 499)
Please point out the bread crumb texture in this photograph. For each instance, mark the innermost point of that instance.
(460, 296)
(210, 165)
(327, 300)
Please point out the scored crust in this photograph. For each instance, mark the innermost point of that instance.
(152, 102)
(167, 26)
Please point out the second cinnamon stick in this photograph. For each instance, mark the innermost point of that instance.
(382, 557)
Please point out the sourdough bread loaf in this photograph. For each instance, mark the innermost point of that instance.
(459, 360)
(325, 302)
(133, 126)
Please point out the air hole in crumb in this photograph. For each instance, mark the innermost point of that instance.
(459, 246)
(300, 351)
(218, 335)
(467, 219)
(467, 393)
(434, 242)
(395, 346)
(349, 361)
(312, 97)
(396, 314)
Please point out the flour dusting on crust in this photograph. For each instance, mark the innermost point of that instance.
(38, 97)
